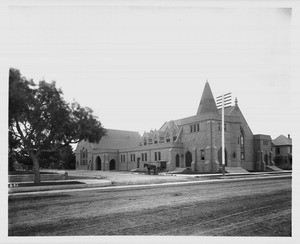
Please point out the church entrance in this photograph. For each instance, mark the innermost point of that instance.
(220, 157)
(188, 159)
(112, 165)
(98, 163)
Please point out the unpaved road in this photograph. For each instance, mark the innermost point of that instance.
(261, 207)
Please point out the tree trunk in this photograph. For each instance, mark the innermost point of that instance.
(36, 169)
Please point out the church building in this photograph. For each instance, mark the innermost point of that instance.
(194, 143)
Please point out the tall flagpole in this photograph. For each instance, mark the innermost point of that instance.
(223, 139)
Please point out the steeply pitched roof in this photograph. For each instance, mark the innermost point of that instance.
(207, 102)
(282, 141)
(171, 124)
(117, 139)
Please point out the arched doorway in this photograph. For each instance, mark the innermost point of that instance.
(98, 163)
(266, 159)
(188, 159)
(220, 157)
(112, 164)
(177, 160)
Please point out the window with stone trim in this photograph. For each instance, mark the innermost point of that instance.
(83, 157)
(144, 157)
(242, 144)
(122, 158)
(157, 156)
(265, 142)
(132, 157)
(202, 152)
(194, 128)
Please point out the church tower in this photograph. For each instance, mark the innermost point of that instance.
(207, 102)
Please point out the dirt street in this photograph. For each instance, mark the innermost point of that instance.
(244, 208)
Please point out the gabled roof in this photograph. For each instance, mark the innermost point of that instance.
(207, 102)
(282, 141)
(171, 124)
(117, 139)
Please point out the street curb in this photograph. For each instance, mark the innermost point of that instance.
(132, 187)
(83, 184)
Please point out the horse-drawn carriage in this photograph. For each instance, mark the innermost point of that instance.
(156, 167)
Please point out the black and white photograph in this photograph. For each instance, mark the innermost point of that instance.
(149, 121)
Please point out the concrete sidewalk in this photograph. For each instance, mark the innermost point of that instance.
(95, 179)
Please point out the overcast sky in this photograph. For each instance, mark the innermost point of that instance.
(139, 66)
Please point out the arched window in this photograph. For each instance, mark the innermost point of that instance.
(145, 141)
(242, 144)
(188, 159)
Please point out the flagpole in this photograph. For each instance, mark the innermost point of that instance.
(222, 102)
(223, 139)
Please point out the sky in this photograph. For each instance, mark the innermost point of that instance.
(138, 66)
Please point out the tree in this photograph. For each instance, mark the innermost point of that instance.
(41, 121)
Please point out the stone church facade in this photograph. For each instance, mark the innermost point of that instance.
(193, 142)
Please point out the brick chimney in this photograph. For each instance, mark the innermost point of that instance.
(289, 136)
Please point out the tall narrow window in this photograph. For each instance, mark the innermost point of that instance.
(198, 127)
(202, 155)
(242, 141)
(177, 161)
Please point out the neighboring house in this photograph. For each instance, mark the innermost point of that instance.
(193, 142)
(282, 151)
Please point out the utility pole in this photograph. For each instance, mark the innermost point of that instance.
(223, 101)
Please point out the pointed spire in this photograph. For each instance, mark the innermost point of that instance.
(236, 102)
(207, 102)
